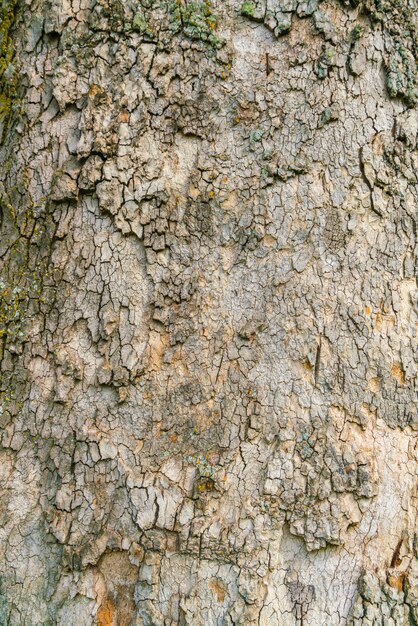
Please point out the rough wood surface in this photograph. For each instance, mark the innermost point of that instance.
(208, 313)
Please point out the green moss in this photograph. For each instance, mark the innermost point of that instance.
(5, 105)
(356, 33)
(264, 173)
(256, 135)
(26, 293)
(161, 20)
(400, 26)
(23, 274)
(140, 24)
(325, 61)
(197, 21)
(247, 9)
(7, 73)
(6, 20)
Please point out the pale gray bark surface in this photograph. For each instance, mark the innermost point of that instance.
(208, 313)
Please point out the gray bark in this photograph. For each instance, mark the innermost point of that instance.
(208, 313)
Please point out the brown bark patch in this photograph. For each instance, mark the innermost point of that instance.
(120, 576)
(106, 614)
(396, 581)
(218, 589)
(397, 372)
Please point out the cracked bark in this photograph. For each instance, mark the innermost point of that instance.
(208, 313)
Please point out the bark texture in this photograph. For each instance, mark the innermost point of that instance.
(208, 313)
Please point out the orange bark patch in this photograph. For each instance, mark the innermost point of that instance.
(106, 614)
(157, 344)
(94, 90)
(124, 116)
(397, 372)
(205, 484)
(396, 581)
(374, 385)
(230, 201)
(218, 589)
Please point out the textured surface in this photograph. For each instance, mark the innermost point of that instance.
(208, 313)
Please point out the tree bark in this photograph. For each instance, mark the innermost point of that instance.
(208, 313)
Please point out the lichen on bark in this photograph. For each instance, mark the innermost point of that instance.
(396, 19)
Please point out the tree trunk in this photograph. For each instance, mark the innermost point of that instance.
(208, 313)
